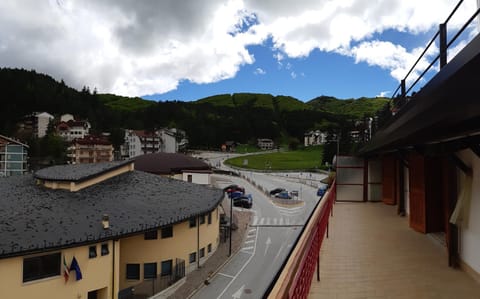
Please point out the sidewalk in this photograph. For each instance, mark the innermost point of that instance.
(372, 253)
(197, 278)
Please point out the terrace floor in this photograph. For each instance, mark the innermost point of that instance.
(372, 253)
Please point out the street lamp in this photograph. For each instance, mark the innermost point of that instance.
(230, 233)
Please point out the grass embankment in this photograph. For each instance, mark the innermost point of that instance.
(309, 158)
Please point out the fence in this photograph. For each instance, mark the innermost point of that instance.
(295, 276)
(155, 285)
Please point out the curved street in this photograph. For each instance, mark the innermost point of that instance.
(270, 236)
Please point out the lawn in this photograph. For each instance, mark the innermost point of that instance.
(246, 148)
(309, 158)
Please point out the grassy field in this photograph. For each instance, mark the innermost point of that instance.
(309, 158)
(246, 148)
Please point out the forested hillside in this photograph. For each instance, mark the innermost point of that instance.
(208, 122)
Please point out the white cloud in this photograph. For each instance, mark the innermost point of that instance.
(259, 71)
(293, 75)
(382, 94)
(149, 46)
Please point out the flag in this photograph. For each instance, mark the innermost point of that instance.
(74, 266)
(66, 272)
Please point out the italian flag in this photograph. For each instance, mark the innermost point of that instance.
(66, 272)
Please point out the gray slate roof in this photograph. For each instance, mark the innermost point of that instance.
(34, 218)
(79, 172)
(168, 163)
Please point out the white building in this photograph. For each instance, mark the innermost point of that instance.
(315, 138)
(70, 129)
(265, 143)
(141, 142)
(40, 125)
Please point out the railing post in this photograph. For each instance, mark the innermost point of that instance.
(443, 45)
(402, 83)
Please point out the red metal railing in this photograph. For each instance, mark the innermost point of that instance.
(296, 276)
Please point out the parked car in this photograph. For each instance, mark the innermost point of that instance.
(294, 193)
(235, 194)
(276, 190)
(283, 195)
(233, 188)
(321, 191)
(244, 201)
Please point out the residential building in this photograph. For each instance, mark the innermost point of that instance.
(172, 139)
(90, 149)
(68, 128)
(428, 158)
(265, 143)
(177, 166)
(74, 231)
(141, 142)
(35, 124)
(316, 137)
(13, 157)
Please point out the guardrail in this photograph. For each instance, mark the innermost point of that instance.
(442, 56)
(295, 276)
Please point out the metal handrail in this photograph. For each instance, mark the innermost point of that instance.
(439, 55)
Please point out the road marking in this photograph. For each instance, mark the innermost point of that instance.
(226, 275)
(252, 230)
(247, 248)
(241, 269)
(268, 221)
(238, 293)
(255, 219)
(261, 221)
(274, 221)
(249, 241)
(280, 222)
(267, 244)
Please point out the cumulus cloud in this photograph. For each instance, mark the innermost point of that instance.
(383, 94)
(149, 46)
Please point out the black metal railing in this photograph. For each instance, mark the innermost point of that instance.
(399, 99)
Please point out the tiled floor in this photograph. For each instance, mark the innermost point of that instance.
(372, 253)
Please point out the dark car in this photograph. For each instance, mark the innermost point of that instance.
(276, 190)
(235, 194)
(233, 188)
(283, 195)
(244, 201)
(321, 191)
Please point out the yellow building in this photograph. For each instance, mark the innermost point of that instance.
(102, 231)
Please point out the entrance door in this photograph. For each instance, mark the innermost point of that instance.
(389, 180)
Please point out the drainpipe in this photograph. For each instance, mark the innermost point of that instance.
(198, 242)
(113, 269)
(401, 183)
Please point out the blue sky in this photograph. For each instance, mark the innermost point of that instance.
(187, 50)
(321, 73)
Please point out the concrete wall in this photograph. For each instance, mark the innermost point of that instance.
(197, 178)
(137, 250)
(470, 231)
(97, 275)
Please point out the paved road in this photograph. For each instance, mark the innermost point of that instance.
(270, 237)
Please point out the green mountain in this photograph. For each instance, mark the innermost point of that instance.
(355, 108)
(208, 122)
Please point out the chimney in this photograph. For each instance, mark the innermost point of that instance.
(105, 222)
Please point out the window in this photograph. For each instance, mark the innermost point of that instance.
(43, 266)
(167, 232)
(92, 252)
(151, 235)
(166, 268)
(202, 252)
(193, 257)
(189, 178)
(202, 219)
(104, 250)
(149, 270)
(209, 248)
(193, 221)
(133, 271)
(210, 218)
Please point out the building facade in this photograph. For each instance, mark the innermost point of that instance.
(315, 138)
(90, 149)
(265, 143)
(13, 157)
(70, 129)
(86, 224)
